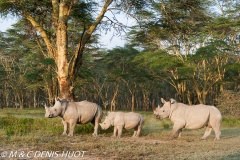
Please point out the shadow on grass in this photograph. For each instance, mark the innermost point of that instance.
(235, 156)
(228, 133)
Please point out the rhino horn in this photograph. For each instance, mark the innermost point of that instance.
(46, 107)
(153, 105)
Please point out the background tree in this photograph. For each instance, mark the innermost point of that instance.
(61, 13)
(184, 50)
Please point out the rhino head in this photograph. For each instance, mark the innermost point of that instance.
(106, 124)
(164, 111)
(49, 113)
(54, 111)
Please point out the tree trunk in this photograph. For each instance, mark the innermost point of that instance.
(189, 97)
(34, 98)
(132, 102)
(113, 102)
(62, 43)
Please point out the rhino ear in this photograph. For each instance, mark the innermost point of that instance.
(172, 101)
(162, 100)
(57, 99)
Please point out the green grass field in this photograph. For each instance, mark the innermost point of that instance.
(27, 134)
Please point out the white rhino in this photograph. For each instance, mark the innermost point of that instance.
(122, 120)
(73, 113)
(190, 117)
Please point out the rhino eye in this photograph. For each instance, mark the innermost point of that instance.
(55, 109)
(163, 110)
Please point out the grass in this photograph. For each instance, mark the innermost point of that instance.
(28, 130)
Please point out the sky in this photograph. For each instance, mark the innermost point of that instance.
(107, 40)
(6, 24)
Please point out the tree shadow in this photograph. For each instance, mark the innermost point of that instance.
(235, 156)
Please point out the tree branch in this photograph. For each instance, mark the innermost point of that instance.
(50, 47)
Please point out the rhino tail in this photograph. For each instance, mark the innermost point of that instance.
(141, 121)
(98, 113)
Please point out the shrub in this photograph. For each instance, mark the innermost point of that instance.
(165, 124)
(228, 103)
(16, 126)
(84, 128)
(230, 122)
(22, 126)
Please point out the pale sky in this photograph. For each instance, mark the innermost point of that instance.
(106, 39)
(6, 24)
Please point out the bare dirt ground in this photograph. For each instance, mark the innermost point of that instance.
(148, 146)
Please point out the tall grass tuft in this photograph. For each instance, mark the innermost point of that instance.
(23, 126)
(165, 124)
(84, 128)
(230, 122)
(16, 126)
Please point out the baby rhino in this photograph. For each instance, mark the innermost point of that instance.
(122, 120)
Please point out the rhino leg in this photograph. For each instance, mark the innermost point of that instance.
(177, 128)
(137, 130)
(64, 127)
(207, 132)
(215, 123)
(179, 133)
(119, 128)
(96, 121)
(72, 124)
(95, 124)
(217, 132)
(115, 132)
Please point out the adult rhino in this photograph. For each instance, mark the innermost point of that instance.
(75, 113)
(190, 117)
(120, 120)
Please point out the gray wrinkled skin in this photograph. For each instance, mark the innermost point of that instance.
(190, 117)
(122, 120)
(73, 113)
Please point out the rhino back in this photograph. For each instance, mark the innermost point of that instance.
(194, 117)
(83, 111)
(112, 115)
(132, 120)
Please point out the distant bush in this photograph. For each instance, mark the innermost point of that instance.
(228, 103)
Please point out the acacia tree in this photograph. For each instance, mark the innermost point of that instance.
(14, 68)
(58, 14)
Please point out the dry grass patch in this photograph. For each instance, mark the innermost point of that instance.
(42, 134)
